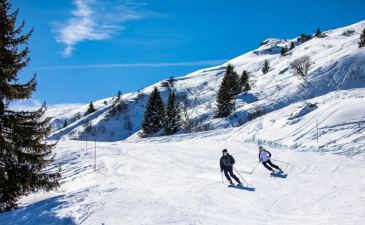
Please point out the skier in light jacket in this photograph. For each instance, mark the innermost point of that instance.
(264, 157)
(226, 163)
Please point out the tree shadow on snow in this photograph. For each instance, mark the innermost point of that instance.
(280, 175)
(43, 212)
(244, 188)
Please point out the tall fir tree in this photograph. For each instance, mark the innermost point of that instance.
(362, 39)
(233, 80)
(65, 124)
(318, 33)
(292, 45)
(90, 109)
(23, 154)
(282, 52)
(228, 91)
(119, 96)
(173, 120)
(244, 78)
(154, 114)
(266, 67)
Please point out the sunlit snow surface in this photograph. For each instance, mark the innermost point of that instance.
(176, 179)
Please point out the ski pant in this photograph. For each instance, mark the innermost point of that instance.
(230, 171)
(271, 164)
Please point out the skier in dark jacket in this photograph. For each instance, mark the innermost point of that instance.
(226, 164)
(264, 157)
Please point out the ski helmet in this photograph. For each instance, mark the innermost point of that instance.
(224, 151)
(261, 148)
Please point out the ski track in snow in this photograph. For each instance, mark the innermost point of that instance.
(175, 182)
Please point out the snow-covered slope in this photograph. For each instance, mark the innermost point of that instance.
(176, 179)
(338, 65)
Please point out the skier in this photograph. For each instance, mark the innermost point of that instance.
(226, 164)
(264, 157)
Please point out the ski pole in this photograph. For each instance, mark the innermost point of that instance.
(280, 161)
(240, 176)
(255, 167)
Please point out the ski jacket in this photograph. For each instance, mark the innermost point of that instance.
(264, 156)
(226, 161)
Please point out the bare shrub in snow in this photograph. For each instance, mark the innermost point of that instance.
(87, 126)
(127, 122)
(142, 134)
(301, 65)
(207, 127)
(140, 96)
(75, 117)
(111, 137)
(192, 125)
(348, 32)
(171, 81)
(255, 113)
(304, 37)
(101, 129)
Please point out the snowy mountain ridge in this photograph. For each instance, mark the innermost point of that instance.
(338, 64)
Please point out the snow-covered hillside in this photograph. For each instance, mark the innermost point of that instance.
(176, 179)
(338, 64)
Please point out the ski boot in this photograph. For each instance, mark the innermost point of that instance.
(231, 184)
(280, 171)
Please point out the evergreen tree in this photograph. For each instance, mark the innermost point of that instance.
(228, 91)
(282, 52)
(244, 78)
(119, 96)
(65, 124)
(173, 120)
(155, 113)
(266, 67)
(318, 33)
(23, 154)
(286, 49)
(90, 109)
(292, 45)
(247, 87)
(362, 39)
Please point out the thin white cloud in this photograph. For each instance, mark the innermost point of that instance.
(30, 105)
(96, 20)
(35, 104)
(198, 63)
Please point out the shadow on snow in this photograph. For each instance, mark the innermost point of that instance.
(42, 212)
(280, 175)
(243, 188)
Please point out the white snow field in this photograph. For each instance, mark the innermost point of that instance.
(176, 179)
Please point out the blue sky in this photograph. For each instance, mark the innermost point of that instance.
(87, 50)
